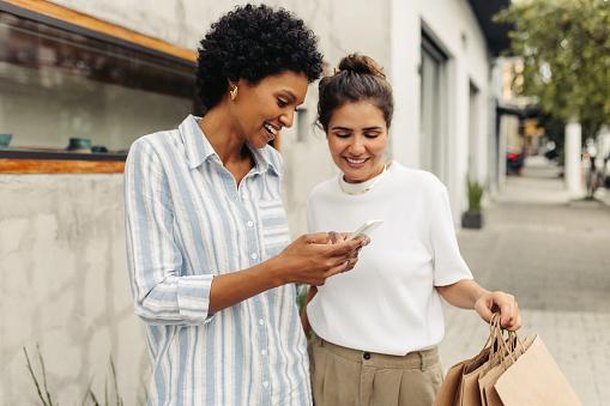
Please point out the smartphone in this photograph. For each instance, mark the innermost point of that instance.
(366, 228)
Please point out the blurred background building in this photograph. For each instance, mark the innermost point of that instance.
(80, 80)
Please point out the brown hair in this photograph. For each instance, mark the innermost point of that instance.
(357, 78)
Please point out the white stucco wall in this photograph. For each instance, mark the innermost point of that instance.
(447, 21)
(64, 285)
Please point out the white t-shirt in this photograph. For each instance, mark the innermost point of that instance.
(387, 303)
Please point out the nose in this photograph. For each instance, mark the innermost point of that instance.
(287, 118)
(357, 146)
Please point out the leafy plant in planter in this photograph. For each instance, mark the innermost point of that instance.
(473, 218)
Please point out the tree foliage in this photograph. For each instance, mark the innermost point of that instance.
(565, 47)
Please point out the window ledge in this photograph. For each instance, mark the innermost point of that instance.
(33, 161)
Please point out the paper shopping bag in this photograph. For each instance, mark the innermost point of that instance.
(461, 386)
(534, 379)
(469, 386)
(488, 378)
(450, 392)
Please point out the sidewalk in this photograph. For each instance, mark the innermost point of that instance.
(553, 255)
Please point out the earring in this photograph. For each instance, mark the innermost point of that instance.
(233, 93)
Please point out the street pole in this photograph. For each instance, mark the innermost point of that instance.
(572, 165)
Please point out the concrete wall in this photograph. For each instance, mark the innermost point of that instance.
(64, 285)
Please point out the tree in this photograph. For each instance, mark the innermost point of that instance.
(565, 46)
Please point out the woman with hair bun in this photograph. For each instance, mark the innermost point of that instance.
(377, 327)
(211, 268)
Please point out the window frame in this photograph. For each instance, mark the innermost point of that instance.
(433, 151)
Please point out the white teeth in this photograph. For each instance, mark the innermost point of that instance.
(355, 161)
(270, 128)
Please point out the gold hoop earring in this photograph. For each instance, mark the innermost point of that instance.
(233, 93)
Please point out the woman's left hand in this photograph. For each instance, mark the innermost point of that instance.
(490, 302)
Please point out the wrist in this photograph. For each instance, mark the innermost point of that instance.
(275, 272)
(478, 295)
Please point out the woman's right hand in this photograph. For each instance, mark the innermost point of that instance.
(312, 258)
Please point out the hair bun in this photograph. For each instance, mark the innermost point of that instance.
(361, 64)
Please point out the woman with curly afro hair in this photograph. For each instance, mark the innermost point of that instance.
(211, 266)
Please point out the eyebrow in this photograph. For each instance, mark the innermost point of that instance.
(351, 129)
(290, 95)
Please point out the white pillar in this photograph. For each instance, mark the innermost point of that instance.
(603, 142)
(502, 145)
(572, 167)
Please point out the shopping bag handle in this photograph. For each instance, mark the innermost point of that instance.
(505, 346)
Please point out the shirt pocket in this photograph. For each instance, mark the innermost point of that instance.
(275, 232)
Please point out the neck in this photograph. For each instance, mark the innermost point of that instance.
(227, 141)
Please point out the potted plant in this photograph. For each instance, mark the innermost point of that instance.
(473, 217)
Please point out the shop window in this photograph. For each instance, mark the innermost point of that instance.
(64, 89)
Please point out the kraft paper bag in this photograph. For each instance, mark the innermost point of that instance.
(535, 380)
(461, 385)
(487, 393)
(469, 386)
(450, 392)
(487, 379)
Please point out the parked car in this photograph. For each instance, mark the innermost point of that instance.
(514, 162)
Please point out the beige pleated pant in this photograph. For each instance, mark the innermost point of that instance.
(346, 377)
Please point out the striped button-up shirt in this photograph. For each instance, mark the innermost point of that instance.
(186, 222)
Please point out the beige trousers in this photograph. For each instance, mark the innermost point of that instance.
(346, 377)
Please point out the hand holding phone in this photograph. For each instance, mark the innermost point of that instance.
(365, 228)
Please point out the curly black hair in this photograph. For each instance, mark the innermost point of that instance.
(252, 42)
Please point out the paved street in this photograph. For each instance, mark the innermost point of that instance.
(554, 255)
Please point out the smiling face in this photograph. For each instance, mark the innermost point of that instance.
(261, 110)
(357, 138)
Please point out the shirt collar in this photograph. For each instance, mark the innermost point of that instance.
(262, 162)
(196, 144)
(199, 149)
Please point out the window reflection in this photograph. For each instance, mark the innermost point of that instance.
(56, 85)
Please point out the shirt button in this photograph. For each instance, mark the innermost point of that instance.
(366, 355)
(261, 322)
(265, 383)
(244, 196)
(250, 223)
(254, 255)
(264, 352)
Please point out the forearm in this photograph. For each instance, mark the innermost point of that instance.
(230, 289)
(463, 294)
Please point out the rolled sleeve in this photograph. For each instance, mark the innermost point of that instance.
(194, 297)
(449, 265)
(161, 294)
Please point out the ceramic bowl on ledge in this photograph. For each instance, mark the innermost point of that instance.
(5, 140)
